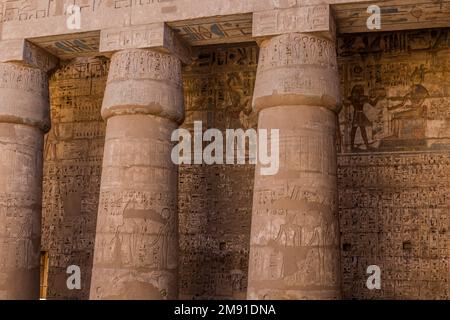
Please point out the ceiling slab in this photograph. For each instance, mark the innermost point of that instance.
(395, 15)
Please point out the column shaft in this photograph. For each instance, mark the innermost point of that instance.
(294, 249)
(136, 246)
(24, 117)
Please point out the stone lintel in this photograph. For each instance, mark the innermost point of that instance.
(24, 52)
(156, 36)
(316, 19)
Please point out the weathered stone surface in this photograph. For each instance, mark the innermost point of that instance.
(144, 82)
(297, 69)
(394, 213)
(23, 118)
(73, 152)
(157, 36)
(419, 273)
(215, 202)
(393, 172)
(294, 245)
(47, 17)
(24, 96)
(136, 244)
(25, 52)
(396, 15)
(393, 133)
(395, 98)
(312, 19)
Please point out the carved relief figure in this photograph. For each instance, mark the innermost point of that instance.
(302, 242)
(239, 104)
(144, 222)
(52, 138)
(248, 117)
(357, 100)
(290, 233)
(413, 105)
(165, 235)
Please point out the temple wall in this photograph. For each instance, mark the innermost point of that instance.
(215, 202)
(393, 187)
(72, 168)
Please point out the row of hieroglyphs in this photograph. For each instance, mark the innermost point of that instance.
(394, 212)
(394, 206)
(302, 49)
(17, 77)
(153, 65)
(396, 90)
(22, 10)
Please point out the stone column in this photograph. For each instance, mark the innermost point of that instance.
(294, 235)
(24, 118)
(136, 245)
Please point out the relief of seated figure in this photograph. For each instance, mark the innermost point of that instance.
(411, 112)
(409, 117)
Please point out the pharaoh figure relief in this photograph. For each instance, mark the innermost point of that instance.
(393, 167)
(388, 188)
(396, 92)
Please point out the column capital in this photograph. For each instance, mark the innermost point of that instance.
(143, 81)
(24, 52)
(317, 19)
(24, 96)
(297, 69)
(155, 36)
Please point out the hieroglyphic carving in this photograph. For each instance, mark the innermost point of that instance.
(143, 103)
(144, 81)
(143, 238)
(156, 36)
(394, 213)
(23, 120)
(25, 52)
(234, 28)
(294, 236)
(24, 78)
(300, 19)
(300, 49)
(147, 36)
(73, 158)
(136, 242)
(294, 243)
(22, 10)
(300, 65)
(215, 201)
(138, 232)
(396, 91)
(152, 65)
(394, 205)
(31, 85)
(20, 210)
(396, 15)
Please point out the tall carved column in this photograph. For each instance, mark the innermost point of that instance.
(136, 246)
(24, 118)
(294, 235)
